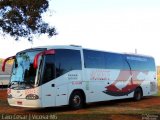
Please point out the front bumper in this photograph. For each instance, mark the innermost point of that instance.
(25, 103)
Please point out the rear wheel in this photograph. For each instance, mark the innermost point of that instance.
(76, 100)
(138, 94)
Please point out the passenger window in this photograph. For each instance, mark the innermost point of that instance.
(104, 60)
(114, 61)
(94, 59)
(141, 63)
(67, 60)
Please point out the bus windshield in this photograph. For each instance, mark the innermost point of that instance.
(23, 73)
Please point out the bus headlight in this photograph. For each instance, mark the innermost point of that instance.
(32, 97)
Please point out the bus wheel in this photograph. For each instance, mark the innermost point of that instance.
(138, 94)
(76, 100)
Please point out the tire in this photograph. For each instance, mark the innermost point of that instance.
(76, 100)
(138, 94)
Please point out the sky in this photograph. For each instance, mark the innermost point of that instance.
(111, 25)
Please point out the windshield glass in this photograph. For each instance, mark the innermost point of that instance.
(23, 72)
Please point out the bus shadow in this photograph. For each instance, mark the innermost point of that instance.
(95, 105)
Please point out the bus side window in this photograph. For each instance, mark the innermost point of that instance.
(141, 63)
(94, 59)
(114, 61)
(67, 60)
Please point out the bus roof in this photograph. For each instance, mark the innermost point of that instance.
(76, 47)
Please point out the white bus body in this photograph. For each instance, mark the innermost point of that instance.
(72, 75)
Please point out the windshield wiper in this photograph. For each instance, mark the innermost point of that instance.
(13, 83)
(19, 84)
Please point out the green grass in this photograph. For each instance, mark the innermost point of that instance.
(158, 78)
(158, 94)
(89, 113)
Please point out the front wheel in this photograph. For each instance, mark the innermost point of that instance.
(138, 94)
(76, 100)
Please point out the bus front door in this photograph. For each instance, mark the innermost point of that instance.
(48, 94)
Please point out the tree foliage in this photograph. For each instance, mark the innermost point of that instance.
(23, 18)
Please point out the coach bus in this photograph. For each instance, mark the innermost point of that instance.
(71, 75)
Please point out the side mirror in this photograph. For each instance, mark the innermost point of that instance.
(46, 52)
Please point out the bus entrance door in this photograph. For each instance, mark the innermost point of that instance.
(48, 95)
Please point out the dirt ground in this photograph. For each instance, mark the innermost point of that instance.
(146, 109)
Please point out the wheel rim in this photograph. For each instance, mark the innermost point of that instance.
(76, 100)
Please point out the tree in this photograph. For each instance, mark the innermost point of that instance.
(23, 18)
(1, 60)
